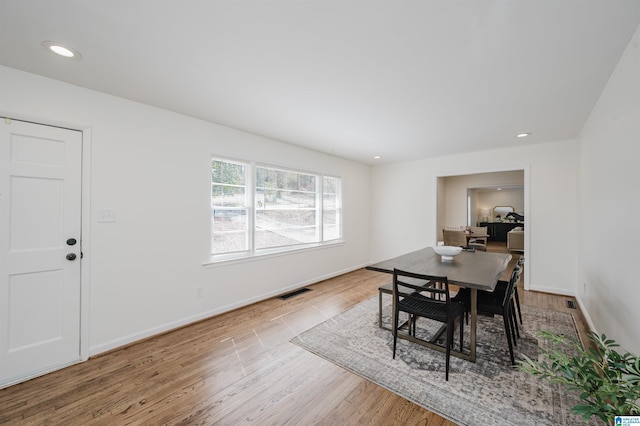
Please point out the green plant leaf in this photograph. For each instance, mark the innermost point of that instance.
(608, 381)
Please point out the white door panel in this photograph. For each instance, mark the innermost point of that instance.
(34, 320)
(35, 150)
(40, 208)
(36, 212)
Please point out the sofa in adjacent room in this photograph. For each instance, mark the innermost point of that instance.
(515, 239)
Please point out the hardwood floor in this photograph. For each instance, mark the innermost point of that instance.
(235, 368)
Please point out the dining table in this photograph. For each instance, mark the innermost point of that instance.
(476, 270)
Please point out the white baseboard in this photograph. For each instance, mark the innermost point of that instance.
(33, 374)
(581, 305)
(587, 317)
(552, 290)
(132, 338)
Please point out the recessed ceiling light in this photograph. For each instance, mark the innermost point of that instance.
(61, 49)
(377, 157)
(499, 189)
(523, 135)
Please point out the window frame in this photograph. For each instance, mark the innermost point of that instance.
(338, 208)
(251, 168)
(247, 205)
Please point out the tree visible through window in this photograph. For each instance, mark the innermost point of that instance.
(229, 207)
(286, 208)
(275, 209)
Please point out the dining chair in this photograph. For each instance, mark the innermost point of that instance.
(515, 287)
(454, 238)
(497, 302)
(501, 286)
(388, 289)
(432, 302)
(480, 242)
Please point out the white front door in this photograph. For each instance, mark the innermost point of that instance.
(40, 213)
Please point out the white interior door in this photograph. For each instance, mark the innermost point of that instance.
(40, 217)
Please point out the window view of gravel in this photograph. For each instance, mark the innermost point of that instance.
(275, 208)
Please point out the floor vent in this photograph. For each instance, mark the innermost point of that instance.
(293, 293)
(571, 304)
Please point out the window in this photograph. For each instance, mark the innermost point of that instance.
(332, 208)
(286, 208)
(258, 209)
(229, 207)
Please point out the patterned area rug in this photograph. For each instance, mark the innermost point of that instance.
(487, 392)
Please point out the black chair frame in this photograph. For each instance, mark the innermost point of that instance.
(498, 302)
(428, 301)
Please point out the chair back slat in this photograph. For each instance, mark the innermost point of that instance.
(515, 276)
(454, 238)
(435, 288)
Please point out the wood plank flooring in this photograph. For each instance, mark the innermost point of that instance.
(235, 368)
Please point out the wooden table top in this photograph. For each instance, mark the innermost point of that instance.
(476, 269)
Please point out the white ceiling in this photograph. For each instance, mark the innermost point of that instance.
(355, 78)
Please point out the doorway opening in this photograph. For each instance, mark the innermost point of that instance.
(487, 199)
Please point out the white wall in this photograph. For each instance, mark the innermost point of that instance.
(404, 206)
(153, 168)
(489, 199)
(609, 203)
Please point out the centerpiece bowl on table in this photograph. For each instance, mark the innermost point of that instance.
(447, 253)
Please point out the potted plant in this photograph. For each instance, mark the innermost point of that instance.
(608, 382)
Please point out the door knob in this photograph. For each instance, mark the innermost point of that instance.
(71, 242)
(71, 256)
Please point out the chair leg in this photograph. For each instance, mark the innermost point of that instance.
(449, 339)
(507, 328)
(461, 331)
(512, 325)
(448, 343)
(515, 291)
(515, 320)
(394, 325)
(412, 325)
(379, 308)
(446, 371)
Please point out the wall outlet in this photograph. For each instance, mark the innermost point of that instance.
(199, 293)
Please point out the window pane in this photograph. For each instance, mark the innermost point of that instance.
(230, 231)
(331, 208)
(228, 195)
(286, 208)
(228, 173)
(229, 218)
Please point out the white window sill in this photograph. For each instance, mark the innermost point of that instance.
(228, 259)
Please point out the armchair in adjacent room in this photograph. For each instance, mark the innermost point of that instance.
(478, 236)
(454, 238)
